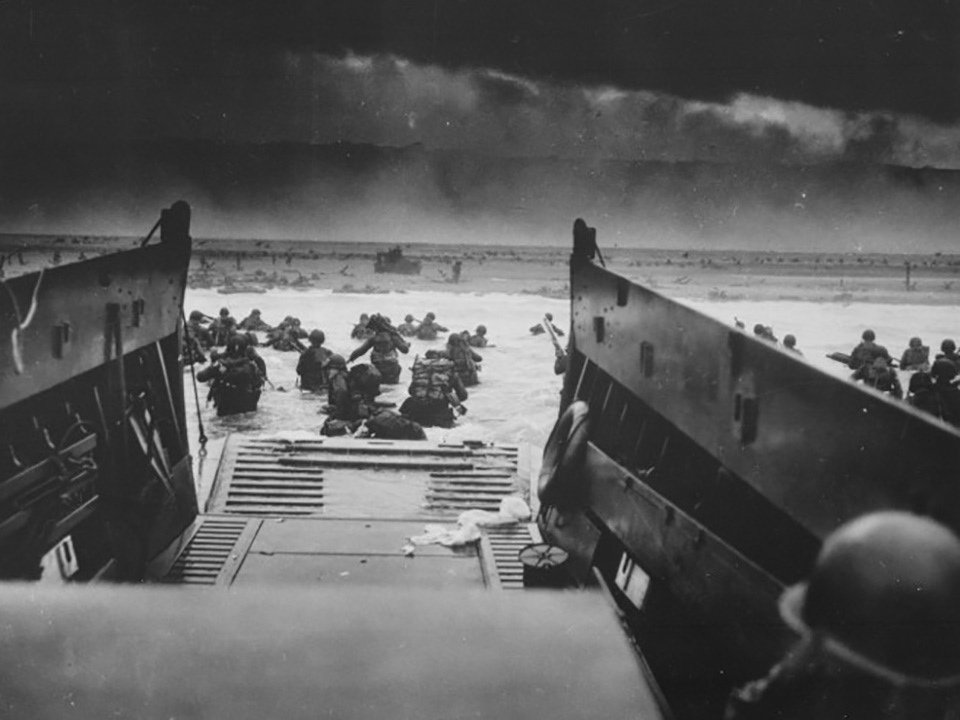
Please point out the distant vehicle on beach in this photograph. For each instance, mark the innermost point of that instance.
(393, 261)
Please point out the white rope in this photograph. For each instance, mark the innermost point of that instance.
(23, 324)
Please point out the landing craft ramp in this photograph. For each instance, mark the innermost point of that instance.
(341, 511)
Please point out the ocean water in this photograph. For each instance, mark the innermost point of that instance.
(518, 395)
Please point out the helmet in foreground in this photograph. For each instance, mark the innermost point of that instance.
(884, 596)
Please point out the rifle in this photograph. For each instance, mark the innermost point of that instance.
(558, 348)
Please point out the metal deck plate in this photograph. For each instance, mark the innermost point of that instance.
(333, 510)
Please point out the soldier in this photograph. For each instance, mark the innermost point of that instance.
(312, 365)
(235, 379)
(360, 330)
(253, 321)
(941, 398)
(464, 359)
(538, 329)
(196, 328)
(479, 339)
(409, 327)
(881, 376)
(790, 343)
(223, 327)
(916, 356)
(867, 351)
(352, 399)
(879, 627)
(384, 345)
(436, 393)
(948, 350)
(429, 328)
(765, 332)
(286, 337)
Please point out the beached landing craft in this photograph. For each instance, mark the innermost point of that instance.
(694, 470)
(327, 614)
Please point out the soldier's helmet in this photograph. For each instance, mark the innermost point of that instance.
(943, 369)
(549, 316)
(481, 329)
(916, 342)
(882, 597)
(224, 312)
(948, 346)
(237, 344)
(408, 318)
(337, 361)
(317, 337)
(789, 340)
(758, 329)
(430, 316)
(196, 316)
(869, 335)
(254, 312)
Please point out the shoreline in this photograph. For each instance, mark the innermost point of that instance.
(255, 267)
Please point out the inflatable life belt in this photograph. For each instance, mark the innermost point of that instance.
(563, 455)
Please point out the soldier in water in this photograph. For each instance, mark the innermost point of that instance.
(916, 356)
(878, 624)
(429, 328)
(253, 321)
(312, 365)
(235, 379)
(867, 351)
(384, 344)
(408, 328)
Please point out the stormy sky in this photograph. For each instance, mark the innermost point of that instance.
(798, 82)
(801, 79)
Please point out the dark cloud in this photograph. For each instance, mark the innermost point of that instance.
(856, 55)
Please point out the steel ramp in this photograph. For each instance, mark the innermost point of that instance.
(341, 510)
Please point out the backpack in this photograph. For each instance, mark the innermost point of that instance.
(431, 378)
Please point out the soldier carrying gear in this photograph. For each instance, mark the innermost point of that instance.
(916, 356)
(436, 392)
(879, 626)
(235, 379)
(464, 359)
(312, 365)
(384, 344)
(867, 351)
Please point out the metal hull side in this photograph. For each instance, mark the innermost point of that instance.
(86, 314)
(821, 449)
(95, 472)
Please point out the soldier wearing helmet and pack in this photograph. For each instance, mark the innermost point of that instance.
(867, 351)
(312, 365)
(948, 350)
(436, 393)
(479, 339)
(465, 360)
(878, 622)
(223, 327)
(235, 377)
(383, 344)
(916, 356)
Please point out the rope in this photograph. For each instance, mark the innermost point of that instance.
(196, 395)
(22, 324)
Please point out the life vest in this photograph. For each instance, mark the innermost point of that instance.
(432, 378)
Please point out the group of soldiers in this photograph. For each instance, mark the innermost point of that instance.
(437, 389)
(933, 385)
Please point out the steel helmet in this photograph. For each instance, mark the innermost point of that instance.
(885, 596)
(481, 329)
(943, 369)
(196, 315)
(789, 340)
(337, 361)
(317, 337)
(224, 312)
(430, 316)
(948, 346)
(237, 343)
(408, 318)
(869, 335)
